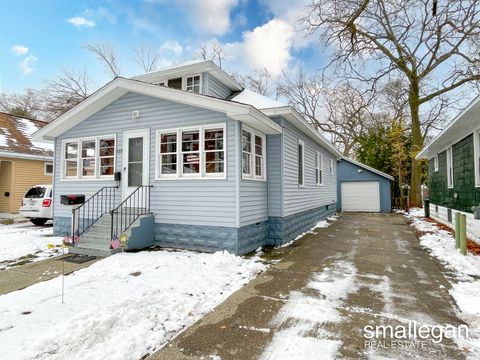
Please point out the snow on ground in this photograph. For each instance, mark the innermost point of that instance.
(122, 307)
(320, 224)
(304, 313)
(23, 239)
(465, 270)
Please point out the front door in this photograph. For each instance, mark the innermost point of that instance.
(136, 147)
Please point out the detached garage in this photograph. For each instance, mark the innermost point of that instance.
(362, 188)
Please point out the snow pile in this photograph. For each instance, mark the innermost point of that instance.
(304, 313)
(23, 239)
(466, 292)
(319, 225)
(256, 100)
(122, 307)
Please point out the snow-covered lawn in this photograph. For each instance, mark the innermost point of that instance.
(121, 307)
(24, 239)
(465, 270)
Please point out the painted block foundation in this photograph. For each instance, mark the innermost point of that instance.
(276, 231)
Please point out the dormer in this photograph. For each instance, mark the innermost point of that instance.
(197, 76)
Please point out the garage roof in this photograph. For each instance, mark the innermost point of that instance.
(366, 167)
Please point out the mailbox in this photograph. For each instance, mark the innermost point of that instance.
(72, 199)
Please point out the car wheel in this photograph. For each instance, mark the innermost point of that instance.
(39, 222)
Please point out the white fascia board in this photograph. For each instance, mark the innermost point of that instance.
(300, 123)
(358, 163)
(461, 125)
(16, 155)
(181, 71)
(120, 86)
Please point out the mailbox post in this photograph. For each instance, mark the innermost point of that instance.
(73, 201)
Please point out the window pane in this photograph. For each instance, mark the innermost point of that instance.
(135, 174)
(88, 148)
(71, 168)
(191, 163)
(320, 177)
(175, 83)
(49, 168)
(258, 166)
(215, 156)
(168, 143)
(214, 167)
(135, 149)
(190, 141)
(107, 147)
(71, 150)
(300, 164)
(88, 167)
(106, 170)
(246, 141)
(258, 145)
(214, 139)
(246, 163)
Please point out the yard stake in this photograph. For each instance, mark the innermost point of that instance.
(457, 230)
(63, 271)
(463, 234)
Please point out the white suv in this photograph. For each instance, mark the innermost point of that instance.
(37, 204)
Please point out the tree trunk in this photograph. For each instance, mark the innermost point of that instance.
(417, 143)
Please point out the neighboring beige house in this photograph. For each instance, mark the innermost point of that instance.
(23, 162)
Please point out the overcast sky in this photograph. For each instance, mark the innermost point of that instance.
(41, 37)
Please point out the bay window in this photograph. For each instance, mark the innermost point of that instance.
(200, 152)
(253, 154)
(89, 158)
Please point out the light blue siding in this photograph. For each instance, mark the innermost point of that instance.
(274, 175)
(215, 88)
(348, 171)
(311, 196)
(189, 202)
(253, 202)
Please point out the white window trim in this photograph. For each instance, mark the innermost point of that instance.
(45, 169)
(435, 163)
(300, 142)
(449, 165)
(332, 164)
(476, 155)
(202, 175)
(184, 82)
(253, 133)
(78, 177)
(318, 168)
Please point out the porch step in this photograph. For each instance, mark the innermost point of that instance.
(87, 249)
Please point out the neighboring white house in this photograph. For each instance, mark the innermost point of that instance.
(204, 164)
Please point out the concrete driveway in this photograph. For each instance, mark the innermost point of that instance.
(365, 269)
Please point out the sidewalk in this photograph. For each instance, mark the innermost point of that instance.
(365, 269)
(26, 275)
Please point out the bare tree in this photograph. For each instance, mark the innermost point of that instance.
(147, 58)
(342, 112)
(434, 54)
(107, 55)
(261, 82)
(213, 51)
(64, 92)
(27, 105)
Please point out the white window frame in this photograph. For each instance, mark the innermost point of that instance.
(184, 83)
(476, 156)
(80, 157)
(302, 184)
(319, 168)
(45, 169)
(435, 163)
(332, 164)
(97, 175)
(450, 167)
(252, 175)
(179, 175)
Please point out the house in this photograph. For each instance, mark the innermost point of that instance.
(454, 169)
(200, 163)
(362, 188)
(23, 162)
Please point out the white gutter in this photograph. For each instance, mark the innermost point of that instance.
(25, 156)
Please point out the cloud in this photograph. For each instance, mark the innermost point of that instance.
(19, 50)
(267, 46)
(172, 46)
(210, 16)
(26, 65)
(80, 21)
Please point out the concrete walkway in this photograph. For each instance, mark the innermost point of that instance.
(365, 269)
(22, 276)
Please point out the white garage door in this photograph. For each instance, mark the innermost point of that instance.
(361, 196)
